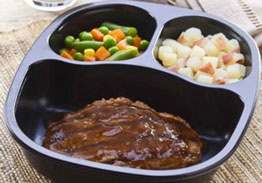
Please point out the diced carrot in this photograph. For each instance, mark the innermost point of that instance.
(102, 53)
(137, 41)
(89, 59)
(97, 35)
(66, 54)
(118, 34)
(122, 45)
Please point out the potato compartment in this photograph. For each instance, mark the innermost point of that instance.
(173, 28)
(51, 89)
(93, 17)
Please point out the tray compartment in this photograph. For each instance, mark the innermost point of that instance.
(52, 88)
(93, 17)
(173, 28)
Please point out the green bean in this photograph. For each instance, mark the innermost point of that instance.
(129, 31)
(82, 45)
(124, 54)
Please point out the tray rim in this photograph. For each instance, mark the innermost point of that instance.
(201, 168)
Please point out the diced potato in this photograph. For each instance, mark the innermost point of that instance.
(221, 63)
(210, 48)
(194, 63)
(220, 41)
(230, 81)
(190, 36)
(221, 53)
(209, 37)
(228, 59)
(220, 59)
(203, 78)
(169, 59)
(233, 46)
(162, 50)
(236, 71)
(220, 74)
(186, 72)
(212, 60)
(207, 68)
(238, 57)
(197, 52)
(183, 51)
(179, 64)
(172, 43)
(201, 42)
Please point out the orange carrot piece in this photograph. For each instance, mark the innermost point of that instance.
(122, 45)
(66, 54)
(89, 59)
(97, 35)
(118, 34)
(102, 53)
(137, 41)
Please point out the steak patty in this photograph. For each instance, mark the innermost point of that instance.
(125, 133)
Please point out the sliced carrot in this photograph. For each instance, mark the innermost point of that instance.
(122, 45)
(102, 53)
(66, 54)
(118, 34)
(89, 59)
(97, 35)
(137, 41)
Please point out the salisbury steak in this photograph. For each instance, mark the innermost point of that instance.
(125, 133)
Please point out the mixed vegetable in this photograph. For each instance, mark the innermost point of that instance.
(213, 59)
(108, 42)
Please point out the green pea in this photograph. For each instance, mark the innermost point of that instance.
(129, 40)
(113, 50)
(110, 42)
(69, 40)
(143, 45)
(104, 30)
(78, 56)
(132, 31)
(85, 36)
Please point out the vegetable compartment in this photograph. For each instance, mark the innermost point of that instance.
(134, 19)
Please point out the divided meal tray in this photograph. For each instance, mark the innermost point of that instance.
(47, 86)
